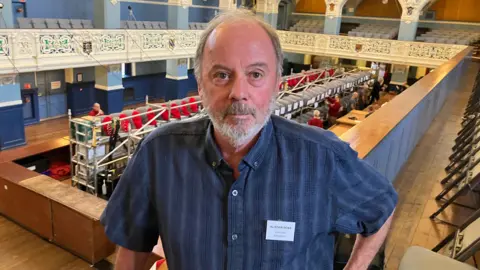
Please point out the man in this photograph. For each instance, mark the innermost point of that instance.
(316, 121)
(353, 102)
(96, 111)
(377, 87)
(334, 108)
(242, 189)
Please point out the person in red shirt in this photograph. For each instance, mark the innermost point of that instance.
(334, 108)
(316, 121)
(96, 111)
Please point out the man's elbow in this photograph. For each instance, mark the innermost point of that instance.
(132, 260)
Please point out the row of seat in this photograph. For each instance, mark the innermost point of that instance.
(197, 26)
(449, 36)
(143, 25)
(175, 110)
(375, 31)
(462, 181)
(308, 26)
(42, 23)
(290, 103)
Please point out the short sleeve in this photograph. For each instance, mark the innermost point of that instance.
(361, 198)
(130, 218)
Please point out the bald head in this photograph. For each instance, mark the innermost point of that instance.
(237, 25)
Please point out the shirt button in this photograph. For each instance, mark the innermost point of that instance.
(235, 193)
(214, 164)
(255, 164)
(234, 237)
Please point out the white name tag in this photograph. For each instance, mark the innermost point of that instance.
(289, 107)
(295, 105)
(280, 230)
(277, 112)
(315, 105)
(301, 103)
(282, 110)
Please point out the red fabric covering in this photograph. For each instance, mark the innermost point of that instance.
(150, 116)
(164, 115)
(137, 120)
(174, 112)
(92, 113)
(59, 170)
(193, 107)
(315, 122)
(184, 109)
(123, 123)
(107, 129)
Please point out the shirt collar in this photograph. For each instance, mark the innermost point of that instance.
(253, 158)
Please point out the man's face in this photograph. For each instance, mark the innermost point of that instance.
(239, 80)
(96, 107)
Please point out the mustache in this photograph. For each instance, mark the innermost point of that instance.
(238, 108)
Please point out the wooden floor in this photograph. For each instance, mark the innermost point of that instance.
(417, 184)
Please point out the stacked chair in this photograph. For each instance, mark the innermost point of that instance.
(310, 94)
(450, 36)
(197, 26)
(463, 179)
(42, 23)
(143, 25)
(375, 31)
(308, 26)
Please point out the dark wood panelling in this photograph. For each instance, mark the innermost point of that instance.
(26, 207)
(80, 234)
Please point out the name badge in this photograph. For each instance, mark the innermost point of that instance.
(280, 230)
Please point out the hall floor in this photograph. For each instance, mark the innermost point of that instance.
(417, 184)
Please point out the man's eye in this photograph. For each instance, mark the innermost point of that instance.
(256, 75)
(221, 75)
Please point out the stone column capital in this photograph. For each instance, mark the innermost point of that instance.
(227, 4)
(267, 6)
(183, 3)
(334, 8)
(411, 9)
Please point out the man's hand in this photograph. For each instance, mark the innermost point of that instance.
(366, 248)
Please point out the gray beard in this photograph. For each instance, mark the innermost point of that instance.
(238, 136)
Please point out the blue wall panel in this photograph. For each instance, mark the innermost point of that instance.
(80, 97)
(176, 89)
(58, 105)
(210, 3)
(144, 11)
(61, 9)
(111, 101)
(201, 15)
(12, 130)
(31, 113)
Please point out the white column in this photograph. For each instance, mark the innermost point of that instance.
(333, 16)
(268, 10)
(410, 15)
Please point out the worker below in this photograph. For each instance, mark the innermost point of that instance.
(96, 110)
(242, 188)
(316, 121)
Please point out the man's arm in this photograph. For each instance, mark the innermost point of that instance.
(366, 248)
(131, 260)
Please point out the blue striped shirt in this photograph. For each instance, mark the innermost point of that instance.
(178, 186)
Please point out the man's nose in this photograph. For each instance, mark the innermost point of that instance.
(239, 88)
